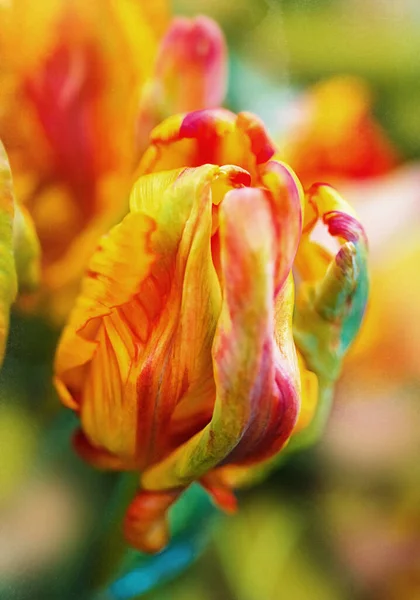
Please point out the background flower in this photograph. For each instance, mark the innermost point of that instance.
(80, 78)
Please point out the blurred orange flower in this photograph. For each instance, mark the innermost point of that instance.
(73, 77)
(66, 114)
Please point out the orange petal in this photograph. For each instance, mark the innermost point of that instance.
(111, 280)
(145, 524)
(208, 136)
(128, 349)
(97, 457)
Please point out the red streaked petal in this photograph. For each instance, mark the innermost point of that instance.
(286, 195)
(256, 405)
(145, 523)
(261, 145)
(214, 136)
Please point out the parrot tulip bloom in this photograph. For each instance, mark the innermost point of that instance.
(179, 355)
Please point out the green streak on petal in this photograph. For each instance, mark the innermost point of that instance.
(331, 300)
(352, 323)
(329, 313)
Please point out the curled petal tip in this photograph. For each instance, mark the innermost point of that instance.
(333, 296)
(145, 524)
(335, 290)
(261, 145)
(221, 494)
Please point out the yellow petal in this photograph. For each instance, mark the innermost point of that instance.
(309, 395)
(128, 349)
(112, 280)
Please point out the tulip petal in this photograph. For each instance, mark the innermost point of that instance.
(184, 214)
(8, 279)
(253, 127)
(142, 24)
(145, 525)
(309, 395)
(192, 64)
(131, 343)
(27, 251)
(208, 136)
(337, 137)
(182, 361)
(256, 403)
(287, 197)
(97, 457)
(332, 298)
(111, 280)
(234, 476)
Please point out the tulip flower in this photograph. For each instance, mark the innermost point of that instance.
(336, 136)
(180, 355)
(66, 118)
(19, 249)
(73, 75)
